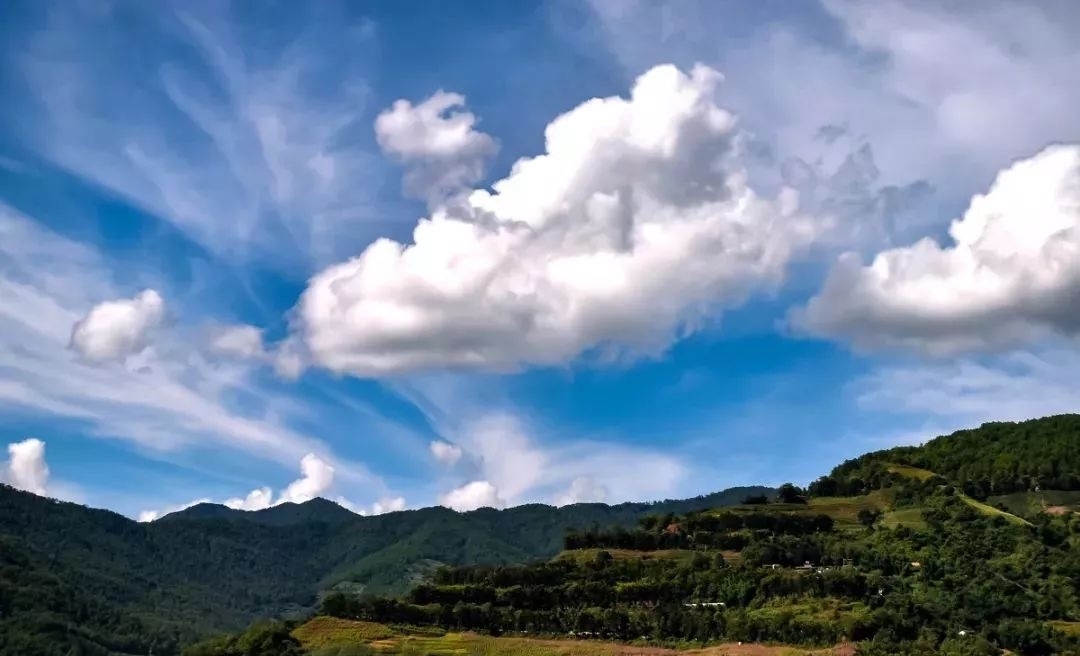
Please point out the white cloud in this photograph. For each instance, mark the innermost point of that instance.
(26, 467)
(387, 505)
(635, 225)
(582, 490)
(249, 146)
(166, 399)
(1012, 273)
(380, 507)
(444, 452)
(966, 392)
(241, 341)
(258, 499)
(941, 93)
(113, 330)
(437, 142)
(316, 477)
(523, 462)
(477, 494)
(151, 515)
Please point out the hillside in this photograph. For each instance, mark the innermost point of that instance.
(946, 576)
(907, 550)
(78, 576)
(883, 552)
(997, 458)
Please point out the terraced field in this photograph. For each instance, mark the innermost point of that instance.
(326, 636)
(587, 555)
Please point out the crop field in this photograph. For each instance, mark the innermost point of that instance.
(331, 637)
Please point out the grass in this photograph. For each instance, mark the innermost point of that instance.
(327, 632)
(1068, 628)
(910, 517)
(1027, 504)
(587, 555)
(911, 472)
(845, 510)
(992, 511)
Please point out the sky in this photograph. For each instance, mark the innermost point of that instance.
(489, 253)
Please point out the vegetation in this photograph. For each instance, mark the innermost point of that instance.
(956, 547)
(91, 580)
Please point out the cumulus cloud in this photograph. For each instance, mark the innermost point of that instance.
(26, 468)
(582, 490)
(241, 341)
(257, 499)
(438, 143)
(387, 505)
(1012, 271)
(477, 494)
(634, 225)
(938, 91)
(444, 452)
(114, 330)
(316, 478)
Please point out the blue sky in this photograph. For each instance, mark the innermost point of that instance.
(487, 253)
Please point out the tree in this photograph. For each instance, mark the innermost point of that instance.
(788, 493)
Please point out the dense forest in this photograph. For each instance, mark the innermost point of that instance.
(74, 577)
(995, 459)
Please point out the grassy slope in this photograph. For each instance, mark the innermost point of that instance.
(1027, 504)
(326, 632)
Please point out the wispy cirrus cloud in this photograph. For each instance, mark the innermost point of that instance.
(254, 147)
(163, 398)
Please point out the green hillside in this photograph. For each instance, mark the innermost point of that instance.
(908, 547)
(998, 458)
(917, 569)
(77, 576)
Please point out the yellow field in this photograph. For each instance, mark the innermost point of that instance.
(1070, 628)
(326, 633)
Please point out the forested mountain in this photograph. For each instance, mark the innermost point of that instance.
(883, 552)
(71, 575)
(995, 459)
(906, 545)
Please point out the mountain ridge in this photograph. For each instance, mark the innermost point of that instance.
(76, 576)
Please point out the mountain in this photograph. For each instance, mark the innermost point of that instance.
(71, 575)
(884, 552)
(985, 512)
(998, 458)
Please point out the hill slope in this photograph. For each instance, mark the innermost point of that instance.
(74, 575)
(997, 458)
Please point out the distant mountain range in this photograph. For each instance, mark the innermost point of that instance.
(114, 585)
(94, 581)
